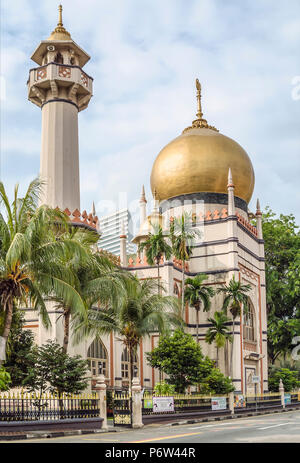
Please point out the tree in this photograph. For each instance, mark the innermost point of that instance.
(289, 379)
(94, 277)
(182, 237)
(28, 256)
(156, 247)
(51, 369)
(282, 253)
(234, 298)
(5, 379)
(140, 312)
(19, 345)
(218, 332)
(216, 383)
(181, 358)
(196, 293)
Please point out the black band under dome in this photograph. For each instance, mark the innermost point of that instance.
(208, 198)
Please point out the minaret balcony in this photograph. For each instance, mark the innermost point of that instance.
(59, 81)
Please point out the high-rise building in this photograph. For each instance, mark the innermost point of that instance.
(111, 229)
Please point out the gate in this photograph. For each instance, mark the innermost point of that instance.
(122, 408)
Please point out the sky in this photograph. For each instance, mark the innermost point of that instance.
(145, 57)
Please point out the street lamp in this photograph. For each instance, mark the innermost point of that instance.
(100, 367)
(135, 370)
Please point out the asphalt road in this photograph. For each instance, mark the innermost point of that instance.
(275, 428)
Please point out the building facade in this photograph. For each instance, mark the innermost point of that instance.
(112, 226)
(201, 172)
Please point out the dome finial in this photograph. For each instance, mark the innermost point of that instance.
(60, 33)
(199, 112)
(199, 123)
(60, 21)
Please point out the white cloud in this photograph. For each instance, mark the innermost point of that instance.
(145, 58)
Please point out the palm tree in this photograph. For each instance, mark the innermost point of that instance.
(182, 238)
(218, 332)
(140, 312)
(234, 297)
(29, 249)
(156, 246)
(196, 293)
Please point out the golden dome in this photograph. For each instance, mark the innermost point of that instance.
(60, 33)
(198, 161)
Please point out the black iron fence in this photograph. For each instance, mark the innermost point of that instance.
(183, 403)
(122, 408)
(31, 407)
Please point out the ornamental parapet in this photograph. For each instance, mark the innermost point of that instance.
(251, 228)
(83, 219)
(143, 262)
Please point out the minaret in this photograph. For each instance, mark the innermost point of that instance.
(61, 89)
(143, 203)
(230, 187)
(259, 221)
(123, 239)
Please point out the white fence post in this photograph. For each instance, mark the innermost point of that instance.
(281, 390)
(137, 421)
(231, 402)
(101, 391)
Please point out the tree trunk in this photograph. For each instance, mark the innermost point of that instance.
(182, 288)
(226, 358)
(130, 368)
(217, 357)
(158, 277)
(67, 315)
(231, 365)
(197, 325)
(8, 309)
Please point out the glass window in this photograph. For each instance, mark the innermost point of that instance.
(249, 325)
(98, 358)
(125, 364)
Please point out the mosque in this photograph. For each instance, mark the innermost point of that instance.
(202, 172)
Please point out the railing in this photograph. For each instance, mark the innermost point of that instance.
(122, 408)
(31, 407)
(188, 403)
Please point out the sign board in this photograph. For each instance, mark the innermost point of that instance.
(163, 404)
(148, 403)
(218, 403)
(287, 399)
(255, 379)
(239, 401)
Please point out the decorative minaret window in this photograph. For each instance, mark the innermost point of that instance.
(125, 365)
(249, 324)
(98, 358)
(59, 59)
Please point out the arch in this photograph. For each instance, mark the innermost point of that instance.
(249, 332)
(59, 58)
(98, 358)
(125, 364)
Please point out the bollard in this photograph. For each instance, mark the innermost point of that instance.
(101, 391)
(231, 402)
(281, 390)
(137, 421)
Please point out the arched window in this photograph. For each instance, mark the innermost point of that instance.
(59, 59)
(249, 324)
(98, 358)
(176, 290)
(125, 365)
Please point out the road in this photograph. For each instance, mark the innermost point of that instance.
(274, 428)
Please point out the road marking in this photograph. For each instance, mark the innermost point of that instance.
(162, 438)
(276, 425)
